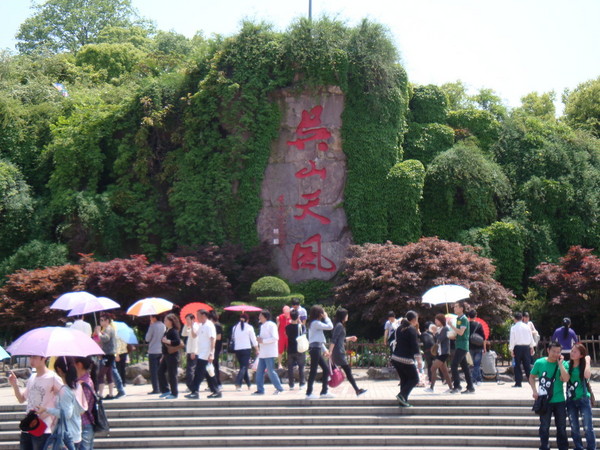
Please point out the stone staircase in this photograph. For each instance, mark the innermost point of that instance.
(296, 423)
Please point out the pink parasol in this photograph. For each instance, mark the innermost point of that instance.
(485, 326)
(243, 308)
(71, 299)
(192, 308)
(54, 341)
(93, 305)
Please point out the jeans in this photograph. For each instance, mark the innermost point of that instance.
(522, 357)
(153, 362)
(269, 364)
(201, 374)
(317, 360)
(574, 409)
(243, 357)
(300, 360)
(459, 359)
(31, 442)
(560, 421)
(409, 377)
(190, 370)
(476, 354)
(117, 379)
(87, 438)
(168, 369)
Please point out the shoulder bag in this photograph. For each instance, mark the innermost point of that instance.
(100, 421)
(476, 339)
(301, 340)
(231, 344)
(336, 376)
(540, 405)
(175, 348)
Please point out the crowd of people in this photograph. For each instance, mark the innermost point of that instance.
(69, 390)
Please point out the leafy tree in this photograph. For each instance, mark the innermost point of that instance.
(424, 142)
(475, 123)
(538, 105)
(582, 109)
(405, 187)
(428, 104)
(59, 25)
(457, 95)
(112, 60)
(488, 100)
(463, 189)
(34, 255)
(573, 288)
(16, 209)
(382, 277)
(26, 296)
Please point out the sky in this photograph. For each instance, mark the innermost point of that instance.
(511, 46)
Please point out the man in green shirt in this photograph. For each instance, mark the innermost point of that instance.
(548, 369)
(462, 349)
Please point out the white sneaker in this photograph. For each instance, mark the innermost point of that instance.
(312, 397)
(328, 395)
(428, 390)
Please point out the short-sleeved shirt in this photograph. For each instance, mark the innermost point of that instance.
(544, 370)
(42, 391)
(575, 386)
(462, 341)
(206, 331)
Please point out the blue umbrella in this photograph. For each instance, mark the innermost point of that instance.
(126, 333)
(3, 354)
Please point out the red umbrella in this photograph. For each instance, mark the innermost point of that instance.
(485, 326)
(243, 308)
(192, 308)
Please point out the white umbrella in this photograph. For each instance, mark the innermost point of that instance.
(71, 299)
(54, 341)
(93, 305)
(446, 293)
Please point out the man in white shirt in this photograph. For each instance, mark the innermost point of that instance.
(534, 332)
(204, 355)
(521, 345)
(190, 331)
(82, 326)
(267, 340)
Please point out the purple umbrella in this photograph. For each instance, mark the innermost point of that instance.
(54, 341)
(93, 305)
(71, 299)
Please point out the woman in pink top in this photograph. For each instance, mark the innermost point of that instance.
(283, 320)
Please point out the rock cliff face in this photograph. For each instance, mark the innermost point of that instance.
(303, 189)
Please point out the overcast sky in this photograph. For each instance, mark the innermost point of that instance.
(511, 46)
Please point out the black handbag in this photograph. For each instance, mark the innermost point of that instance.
(541, 404)
(100, 421)
(231, 344)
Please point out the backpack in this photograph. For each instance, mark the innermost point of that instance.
(100, 421)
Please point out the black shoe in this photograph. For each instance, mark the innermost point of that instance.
(516, 385)
(468, 391)
(109, 397)
(215, 395)
(193, 395)
(402, 401)
(153, 392)
(361, 392)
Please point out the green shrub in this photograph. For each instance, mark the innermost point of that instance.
(312, 291)
(425, 141)
(429, 104)
(34, 255)
(269, 287)
(475, 122)
(275, 304)
(405, 190)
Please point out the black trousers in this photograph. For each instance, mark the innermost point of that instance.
(317, 360)
(167, 371)
(409, 377)
(522, 357)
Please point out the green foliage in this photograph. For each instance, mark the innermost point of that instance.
(312, 291)
(59, 25)
(489, 101)
(111, 60)
(475, 122)
(463, 189)
(405, 190)
(275, 304)
(457, 95)
(428, 104)
(16, 208)
(269, 287)
(372, 141)
(538, 105)
(504, 243)
(424, 142)
(582, 109)
(34, 255)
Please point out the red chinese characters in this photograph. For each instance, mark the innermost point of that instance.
(309, 129)
(308, 254)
